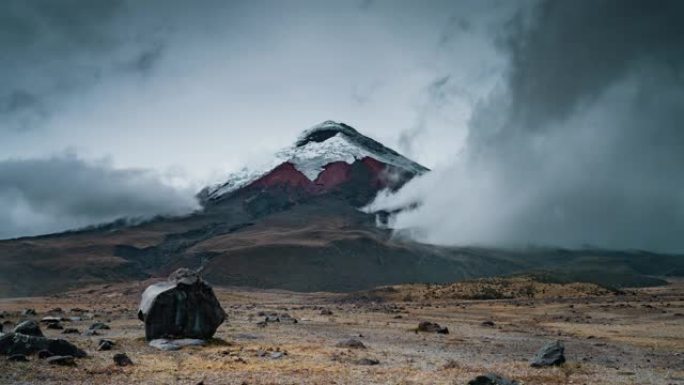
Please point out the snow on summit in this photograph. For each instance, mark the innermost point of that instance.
(315, 148)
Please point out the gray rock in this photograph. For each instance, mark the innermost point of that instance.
(286, 318)
(432, 327)
(71, 331)
(368, 362)
(28, 312)
(121, 359)
(15, 343)
(18, 358)
(491, 379)
(55, 326)
(182, 307)
(29, 328)
(105, 345)
(61, 360)
(43, 354)
(50, 320)
(169, 345)
(351, 343)
(551, 354)
(99, 326)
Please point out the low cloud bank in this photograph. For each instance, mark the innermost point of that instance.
(40, 196)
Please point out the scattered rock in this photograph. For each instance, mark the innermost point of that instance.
(16, 343)
(121, 359)
(286, 318)
(43, 354)
(61, 360)
(488, 324)
(17, 358)
(326, 312)
(169, 345)
(99, 326)
(491, 379)
(184, 306)
(50, 320)
(432, 327)
(55, 326)
(91, 333)
(71, 331)
(351, 343)
(368, 361)
(105, 345)
(551, 354)
(29, 312)
(29, 328)
(276, 355)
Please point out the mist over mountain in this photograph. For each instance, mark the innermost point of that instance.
(581, 144)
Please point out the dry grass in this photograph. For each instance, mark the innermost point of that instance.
(630, 344)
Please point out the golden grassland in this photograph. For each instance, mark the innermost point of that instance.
(635, 337)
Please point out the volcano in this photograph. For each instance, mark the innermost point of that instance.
(294, 223)
(329, 159)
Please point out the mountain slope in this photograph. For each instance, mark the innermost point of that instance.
(295, 225)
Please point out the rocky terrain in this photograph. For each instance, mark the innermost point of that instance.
(630, 336)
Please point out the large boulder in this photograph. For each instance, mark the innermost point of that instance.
(15, 343)
(182, 307)
(551, 354)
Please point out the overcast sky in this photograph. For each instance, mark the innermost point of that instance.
(554, 122)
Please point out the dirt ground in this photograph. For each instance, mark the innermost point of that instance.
(635, 337)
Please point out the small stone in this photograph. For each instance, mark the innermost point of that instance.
(71, 331)
(432, 327)
(18, 358)
(61, 360)
(491, 379)
(326, 312)
(368, 362)
(50, 320)
(99, 326)
(351, 343)
(121, 359)
(105, 345)
(55, 326)
(28, 312)
(551, 354)
(488, 323)
(43, 354)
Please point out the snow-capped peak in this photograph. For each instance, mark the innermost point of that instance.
(315, 148)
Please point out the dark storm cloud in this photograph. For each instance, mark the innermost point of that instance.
(45, 195)
(581, 144)
(53, 49)
(576, 49)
